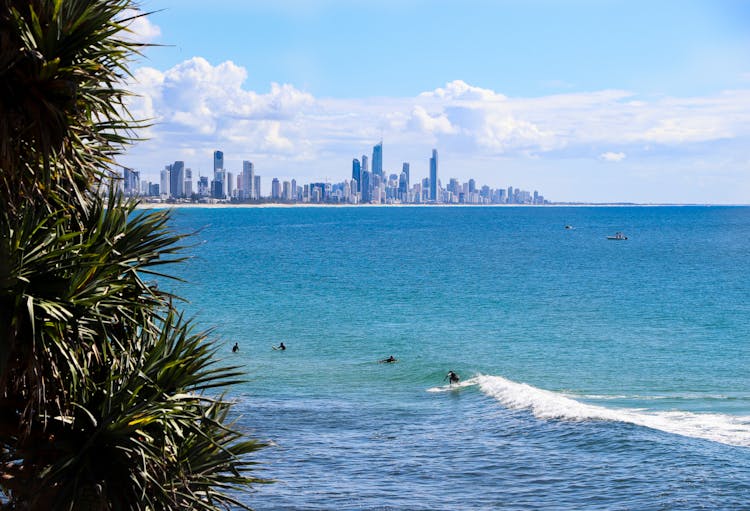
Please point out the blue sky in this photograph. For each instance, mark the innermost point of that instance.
(583, 100)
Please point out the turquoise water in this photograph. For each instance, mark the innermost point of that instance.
(596, 374)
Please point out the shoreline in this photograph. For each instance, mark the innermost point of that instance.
(190, 205)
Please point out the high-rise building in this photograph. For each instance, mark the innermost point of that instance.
(218, 161)
(364, 163)
(377, 160)
(356, 173)
(256, 188)
(131, 182)
(366, 186)
(219, 187)
(403, 187)
(164, 180)
(219, 184)
(294, 189)
(275, 189)
(203, 190)
(248, 180)
(405, 170)
(433, 175)
(188, 186)
(286, 191)
(177, 180)
(472, 186)
(229, 188)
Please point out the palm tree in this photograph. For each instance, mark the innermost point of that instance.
(108, 398)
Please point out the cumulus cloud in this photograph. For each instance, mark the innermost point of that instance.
(613, 157)
(199, 96)
(423, 121)
(139, 28)
(458, 90)
(203, 106)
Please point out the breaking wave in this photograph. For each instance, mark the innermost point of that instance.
(545, 404)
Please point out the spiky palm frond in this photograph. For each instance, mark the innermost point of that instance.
(106, 395)
(67, 289)
(62, 64)
(145, 439)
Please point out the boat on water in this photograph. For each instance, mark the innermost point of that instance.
(568, 226)
(618, 236)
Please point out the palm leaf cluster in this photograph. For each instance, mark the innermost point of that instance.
(108, 397)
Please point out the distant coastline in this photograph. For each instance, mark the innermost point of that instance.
(229, 205)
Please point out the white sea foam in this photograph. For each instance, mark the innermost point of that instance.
(545, 404)
(455, 386)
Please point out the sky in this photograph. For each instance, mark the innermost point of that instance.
(582, 100)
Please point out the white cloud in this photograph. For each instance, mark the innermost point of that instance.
(204, 106)
(458, 90)
(613, 157)
(423, 121)
(139, 28)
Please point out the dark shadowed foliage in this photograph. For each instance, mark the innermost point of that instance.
(108, 398)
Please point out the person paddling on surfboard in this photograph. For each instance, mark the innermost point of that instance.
(451, 377)
(235, 348)
(280, 347)
(388, 360)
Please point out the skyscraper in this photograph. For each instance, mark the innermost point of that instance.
(405, 170)
(131, 181)
(366, 187)
(228, 187)
(256, 187)
(248, 180)
(433, 175)
(403, 189)
(203, 186)
(275, 189)
(218, 161)
(188, 184)
(218, 185)
(177, 180)
(364, 163)
(377, 160)
(164, 181)
(356, 172)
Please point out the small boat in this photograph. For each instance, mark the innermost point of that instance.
(618, 236)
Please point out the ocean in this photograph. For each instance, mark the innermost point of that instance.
(595, 374)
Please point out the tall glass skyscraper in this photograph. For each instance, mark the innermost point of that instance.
(377, 160)
(248, 180)
(433, 175)
(218, 161)
(366, 187)
(177, 179)
(357, 173)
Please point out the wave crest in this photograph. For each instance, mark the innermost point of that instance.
(545, 404)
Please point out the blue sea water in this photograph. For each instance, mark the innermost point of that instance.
(596, 374)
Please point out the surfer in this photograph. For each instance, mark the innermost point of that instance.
(388, 360)
(280, 347)
(235, 348)
(451, 377)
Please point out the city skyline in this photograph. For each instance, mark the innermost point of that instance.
(595, 102)
(363, 187)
